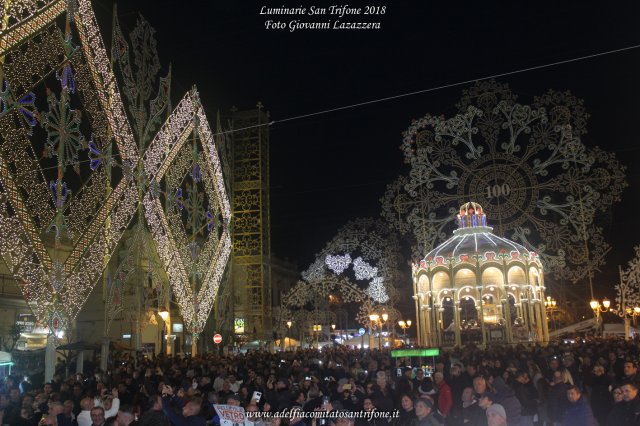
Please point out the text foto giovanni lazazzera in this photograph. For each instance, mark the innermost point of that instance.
(335, 17)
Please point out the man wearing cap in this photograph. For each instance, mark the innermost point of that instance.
(496, 415)
(425, 415)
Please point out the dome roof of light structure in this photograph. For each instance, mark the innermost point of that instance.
(474, 240)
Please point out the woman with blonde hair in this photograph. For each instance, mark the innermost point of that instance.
(567, 378)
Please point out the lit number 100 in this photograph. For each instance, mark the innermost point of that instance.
(498, 190)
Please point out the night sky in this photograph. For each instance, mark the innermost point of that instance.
(334, 167)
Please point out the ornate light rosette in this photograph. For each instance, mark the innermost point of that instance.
(524, 163)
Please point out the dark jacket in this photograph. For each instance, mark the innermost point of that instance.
(474, 415)
(506, 397)
(578, 414)
(153, 418)
(601, 400)
(177, 419)
(556, 401)
(528, 397)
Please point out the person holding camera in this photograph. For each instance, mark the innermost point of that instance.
(190, 414)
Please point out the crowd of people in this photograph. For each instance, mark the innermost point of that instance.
(585, 384)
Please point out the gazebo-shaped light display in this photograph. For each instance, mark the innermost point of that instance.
(477, 287)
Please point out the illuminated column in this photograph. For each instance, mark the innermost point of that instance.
(480, 303)
(532, 312)
(166, 317)
(439, 325)
(194, 344)
(419, 313)
(427, 324)
(545, 324)
(50, 359)
(104, 353)
(456, 316)
(505, 302)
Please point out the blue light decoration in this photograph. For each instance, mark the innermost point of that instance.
(196, 174)
(95, 156)
(59, 202)
(66, 78)
(210, 221)
(179, 199)
(24, 102)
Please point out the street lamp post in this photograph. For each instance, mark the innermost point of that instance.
(317, 328)
(598, 309)
(288, 335)
(625, 312)
(373, 318)
(385, 317)
(164, 314)
(377, 322)
(550, 304)
(404, 325)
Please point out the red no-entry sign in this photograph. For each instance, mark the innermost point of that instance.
(217, 339)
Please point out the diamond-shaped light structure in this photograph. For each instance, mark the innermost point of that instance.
(194, 245)
(94, 218)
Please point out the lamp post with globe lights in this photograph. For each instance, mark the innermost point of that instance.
(551, 306)
(289, 323)
(404, 325)
(166, 318)
(598, 309)
(377, 321)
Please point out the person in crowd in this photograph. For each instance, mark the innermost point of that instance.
(556, 397)
(125, 416)
(497, 416)
(480, 386)
(190, 410)
(407, 413)
(405, 385)
(527, 396)
(618, 413)
(84, 418)
(506, 397)
(578, 411)
(353, 379)
(632, 402)
(472, 414)
(97, 416)
(425, 414)
(601, 400)
(444, 396)
(630, 373)
(154, 416)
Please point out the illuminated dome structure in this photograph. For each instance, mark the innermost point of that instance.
(477, 287)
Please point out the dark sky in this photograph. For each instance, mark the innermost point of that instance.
(334, 167)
